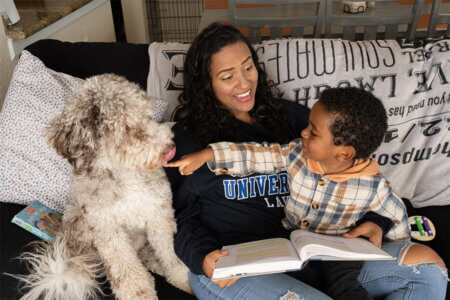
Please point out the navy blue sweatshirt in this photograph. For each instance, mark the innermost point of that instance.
(213, 211)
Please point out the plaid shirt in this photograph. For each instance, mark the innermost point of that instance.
(316, 203)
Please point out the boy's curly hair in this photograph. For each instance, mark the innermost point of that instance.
(199, 109)
(360, 121)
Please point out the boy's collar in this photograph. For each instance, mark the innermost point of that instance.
(361, 167)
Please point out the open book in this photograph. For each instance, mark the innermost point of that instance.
(280, 255)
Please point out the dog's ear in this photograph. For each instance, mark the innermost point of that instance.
(72, 135)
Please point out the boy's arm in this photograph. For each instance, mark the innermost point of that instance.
(243, 159)
(239, 158)
(388, 204)
(384, 223)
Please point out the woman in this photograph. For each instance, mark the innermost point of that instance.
(226, 96)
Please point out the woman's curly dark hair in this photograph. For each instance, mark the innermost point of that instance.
(360, 121)
(199, 109)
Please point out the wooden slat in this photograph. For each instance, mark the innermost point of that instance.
(278, 19)
(412, 27)
(370, 32)
(321, 12)
(349, 33)
(254, 34)
(297, 31)
(431, 32)
(391, 32)
(275, 33)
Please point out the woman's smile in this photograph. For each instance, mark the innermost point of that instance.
(244, 97)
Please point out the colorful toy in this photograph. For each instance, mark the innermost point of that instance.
(422, 229)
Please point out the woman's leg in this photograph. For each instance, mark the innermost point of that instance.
(417, 273)
(271, 286)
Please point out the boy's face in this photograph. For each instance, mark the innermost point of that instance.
(317, 143)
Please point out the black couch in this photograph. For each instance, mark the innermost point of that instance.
(130, 60)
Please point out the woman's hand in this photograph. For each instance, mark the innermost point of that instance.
(210, 262)
(367, 229)
(187, 164)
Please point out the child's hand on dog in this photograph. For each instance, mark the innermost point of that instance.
(188, 163)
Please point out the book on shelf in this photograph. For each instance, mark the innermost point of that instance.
(279, 255)
(40, 220)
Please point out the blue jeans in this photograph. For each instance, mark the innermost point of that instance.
(262, 287)
(393, 281)
(380, 278)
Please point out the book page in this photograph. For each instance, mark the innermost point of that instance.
(325, 247)
(262, 256)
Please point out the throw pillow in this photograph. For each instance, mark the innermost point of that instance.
(29, 169)
(165, 76)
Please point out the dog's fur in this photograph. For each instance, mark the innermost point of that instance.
(118, 191)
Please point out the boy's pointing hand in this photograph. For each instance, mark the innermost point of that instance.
(188, 163)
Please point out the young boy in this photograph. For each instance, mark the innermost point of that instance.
(333, 182)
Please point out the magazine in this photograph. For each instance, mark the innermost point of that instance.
(39, 220)
(281, 255)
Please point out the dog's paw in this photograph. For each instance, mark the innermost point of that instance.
(186, 287)
(178, 277)
(181, 281)
(134, 285)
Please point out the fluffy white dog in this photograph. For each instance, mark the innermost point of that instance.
(118, 191)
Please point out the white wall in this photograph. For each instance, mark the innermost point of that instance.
(135, 21)
(6, 65)
(96, 26)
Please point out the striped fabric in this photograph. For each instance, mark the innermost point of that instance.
(316, 203)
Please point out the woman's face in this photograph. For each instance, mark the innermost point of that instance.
(234, 79)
